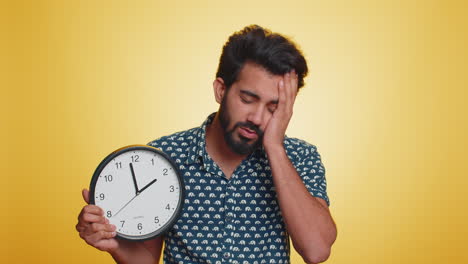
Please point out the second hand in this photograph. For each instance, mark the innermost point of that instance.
(125, 205)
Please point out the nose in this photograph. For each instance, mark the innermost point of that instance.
(256, 115)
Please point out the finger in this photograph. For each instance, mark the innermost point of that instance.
(287, 90)
(94, 228)
(91, 214)
(86, 217)
(294, 89)
(85, 193)
(281, 95)
(93, 218)
(98, 236)
(80, 227)
(89, 229)
(97, 227)
(93, 209)
(295, 81)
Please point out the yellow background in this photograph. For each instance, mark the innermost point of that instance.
(384, 103)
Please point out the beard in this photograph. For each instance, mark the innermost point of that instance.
(241, 146)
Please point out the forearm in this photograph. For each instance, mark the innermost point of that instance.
(307, 220)
(130, 252)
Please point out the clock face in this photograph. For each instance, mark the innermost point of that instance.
(140, 190)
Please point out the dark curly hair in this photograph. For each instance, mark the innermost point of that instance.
(274, 52)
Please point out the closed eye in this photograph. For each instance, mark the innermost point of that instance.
(248, 97)
(272, 108)
(246, 100)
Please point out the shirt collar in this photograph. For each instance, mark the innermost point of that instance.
(198, 149)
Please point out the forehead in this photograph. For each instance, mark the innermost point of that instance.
(255, 78)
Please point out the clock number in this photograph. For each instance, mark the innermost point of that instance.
(118, 165)
(165, 172)
(101, 196)
(123, 222)
(152, 162)
(135, 158)
(171, 188)
(109, 214)
(168, 207)
(109, 178)
(156, 219)
(139, 226)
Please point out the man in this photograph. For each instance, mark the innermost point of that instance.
(248, 186)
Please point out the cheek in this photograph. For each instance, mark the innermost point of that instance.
(238, 110)
(235, 113)
(267, 118)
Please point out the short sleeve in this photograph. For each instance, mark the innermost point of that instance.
(312, 172)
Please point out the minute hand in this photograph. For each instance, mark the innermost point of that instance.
(148, 185)
(134, 179)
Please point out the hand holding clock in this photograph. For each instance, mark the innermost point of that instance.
(94, 228)
(115, 220)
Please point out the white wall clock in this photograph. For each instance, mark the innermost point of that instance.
(140, 190)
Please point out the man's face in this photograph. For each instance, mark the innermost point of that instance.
(247, 107)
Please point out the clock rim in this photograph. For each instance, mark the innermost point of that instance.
(165, 228)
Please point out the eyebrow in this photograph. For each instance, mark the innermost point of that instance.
(249, 93)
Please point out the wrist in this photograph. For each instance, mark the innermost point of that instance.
(272, 149)
(117, 252)
(114, 252)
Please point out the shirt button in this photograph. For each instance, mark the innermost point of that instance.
(226, 255)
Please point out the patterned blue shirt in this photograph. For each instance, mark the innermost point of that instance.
(235, 220)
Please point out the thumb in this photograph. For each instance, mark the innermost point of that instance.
(85, 193)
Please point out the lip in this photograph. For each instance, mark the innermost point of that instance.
(247, 133)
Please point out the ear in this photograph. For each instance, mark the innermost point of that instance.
(219, 89)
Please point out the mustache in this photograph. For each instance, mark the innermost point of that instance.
(250, 126)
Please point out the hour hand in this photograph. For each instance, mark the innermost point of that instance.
(148, 185)
(137, 191)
